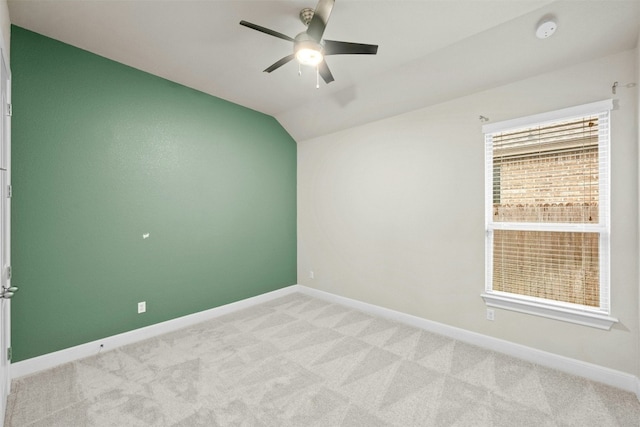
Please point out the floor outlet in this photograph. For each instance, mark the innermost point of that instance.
(490, 314)
(142, 307)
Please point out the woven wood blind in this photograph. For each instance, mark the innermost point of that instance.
(547, 174)
(560, 266)
(545, 182)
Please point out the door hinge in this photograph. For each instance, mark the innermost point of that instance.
(8, 272)
(9, 354)
(9, 191)
(10, 110)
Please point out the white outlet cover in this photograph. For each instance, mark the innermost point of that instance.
(142, 307)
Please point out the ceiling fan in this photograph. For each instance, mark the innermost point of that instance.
(309, 48)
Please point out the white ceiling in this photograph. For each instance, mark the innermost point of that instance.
(429, 51)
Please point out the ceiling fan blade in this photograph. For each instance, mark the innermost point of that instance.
(266, 31)
(325, 73)
(280, 63)
(320, 18)
(332, 47)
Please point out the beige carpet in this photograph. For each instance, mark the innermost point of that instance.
(301, 361)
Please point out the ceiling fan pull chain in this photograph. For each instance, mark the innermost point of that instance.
(317, 77)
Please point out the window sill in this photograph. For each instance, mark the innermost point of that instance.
(565, 314)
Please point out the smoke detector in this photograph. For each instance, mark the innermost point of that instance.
(546, 28)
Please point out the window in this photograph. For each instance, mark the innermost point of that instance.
(547, 215)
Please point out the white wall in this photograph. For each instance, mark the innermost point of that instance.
(392, 213)
(5, 30)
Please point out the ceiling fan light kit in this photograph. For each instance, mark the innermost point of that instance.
(307, 56)
(309, 48)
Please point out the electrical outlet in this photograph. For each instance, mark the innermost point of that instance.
(142, 307)
(311, 275)
(490, 314)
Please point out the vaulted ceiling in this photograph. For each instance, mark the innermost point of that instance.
(429, 51)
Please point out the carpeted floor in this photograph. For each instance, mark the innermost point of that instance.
(301, 361)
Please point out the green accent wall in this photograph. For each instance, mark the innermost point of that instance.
(103, 153)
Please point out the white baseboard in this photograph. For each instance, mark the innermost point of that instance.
(576, 367)
(590, 371)
(50, 360)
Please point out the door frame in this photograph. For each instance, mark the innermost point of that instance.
(5, 233)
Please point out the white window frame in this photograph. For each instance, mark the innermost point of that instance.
(597, 317)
